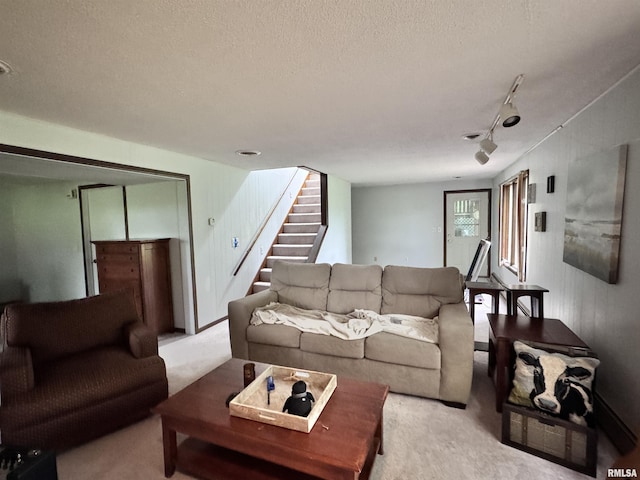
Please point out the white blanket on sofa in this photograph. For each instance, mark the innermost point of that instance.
(355, 325)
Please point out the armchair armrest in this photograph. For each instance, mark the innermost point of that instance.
(456, 350)
(240, 312)
(16, 371)
(142, 341)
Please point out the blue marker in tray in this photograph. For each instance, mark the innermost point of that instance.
(270, 386)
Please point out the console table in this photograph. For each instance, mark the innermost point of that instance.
(505, 329)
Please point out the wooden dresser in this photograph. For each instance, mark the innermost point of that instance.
(143, 266)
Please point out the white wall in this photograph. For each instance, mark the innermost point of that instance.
(604, 316)
(402, 224)
(237, 199)
(337, 244)
(48, 241)
(155, 210)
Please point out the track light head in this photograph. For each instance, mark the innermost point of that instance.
(481, 157)
(509, 115)
(488, 146)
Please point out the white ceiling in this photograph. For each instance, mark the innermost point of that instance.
(372, 91)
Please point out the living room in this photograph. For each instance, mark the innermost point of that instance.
(600, 313)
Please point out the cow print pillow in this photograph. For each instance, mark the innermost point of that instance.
(554, 383)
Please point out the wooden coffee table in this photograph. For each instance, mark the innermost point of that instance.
(505, 329)
(342, 445)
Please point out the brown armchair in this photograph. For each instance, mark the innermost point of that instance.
(75, 370)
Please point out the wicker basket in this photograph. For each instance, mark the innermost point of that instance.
(551, 438)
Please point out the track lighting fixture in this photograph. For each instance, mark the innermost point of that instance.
(481, 157)
(508, 116)
(487, 145)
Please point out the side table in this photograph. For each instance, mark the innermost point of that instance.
(505, 329)
(490, 288)
(520, 290)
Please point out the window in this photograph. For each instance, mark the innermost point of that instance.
(466, 218)
(513, 224)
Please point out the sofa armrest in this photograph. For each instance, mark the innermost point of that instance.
(240, 312)
(16, 371)
(143, 342)
(456, 350)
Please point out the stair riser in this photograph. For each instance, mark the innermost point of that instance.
(296, 239)
(265, 275)
(309, 199)
(272, 260)
(291, 250)
(307, 208)
(257, 287)
(310, 191)
(304, 218)
(301, 228)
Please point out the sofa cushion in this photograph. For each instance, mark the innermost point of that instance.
(277, 335)
(420, 291)
(329, 345)
(54, 330)
(304, 285)
(390, 348)
(355, 286)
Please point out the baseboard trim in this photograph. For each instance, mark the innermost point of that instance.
(212, 324)
(612, 425)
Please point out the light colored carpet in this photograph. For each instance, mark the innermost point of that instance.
(423, 438)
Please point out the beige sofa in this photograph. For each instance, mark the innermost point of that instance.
(441, 370)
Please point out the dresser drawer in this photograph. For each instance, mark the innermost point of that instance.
(118, 258)
(114, 271)
(116, 248)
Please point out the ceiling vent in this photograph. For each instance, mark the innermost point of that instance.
(5, 68)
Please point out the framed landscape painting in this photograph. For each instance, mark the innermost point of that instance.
(593, 220)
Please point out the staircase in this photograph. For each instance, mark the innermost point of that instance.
(298, 232)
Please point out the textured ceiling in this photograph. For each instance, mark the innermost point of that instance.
(372, 91)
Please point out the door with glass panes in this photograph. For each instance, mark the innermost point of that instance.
(467, 216)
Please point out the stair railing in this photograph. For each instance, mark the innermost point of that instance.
(263, 225)
(324, 220)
